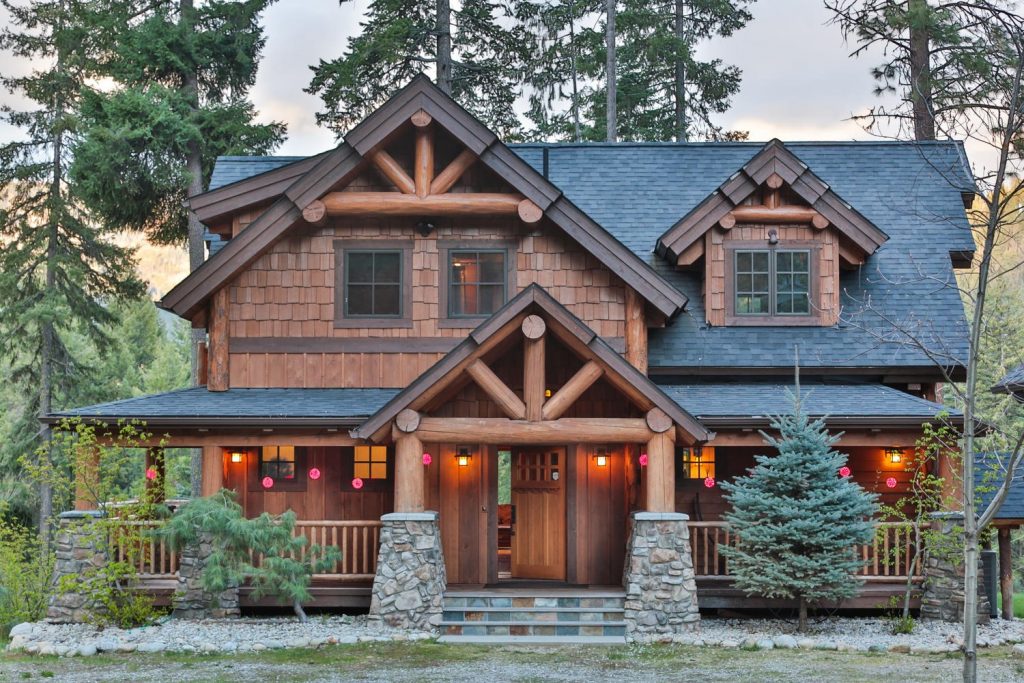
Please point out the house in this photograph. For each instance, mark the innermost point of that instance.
(560, 350)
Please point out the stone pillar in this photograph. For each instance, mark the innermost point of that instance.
(191, 600)
(79, 552)
(408, 590)
(661, 591)
(942, 596)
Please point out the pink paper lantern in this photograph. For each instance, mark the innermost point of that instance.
(844, 471)
(709, 482)
(267, 482)
(357, 483)
(643, 460)
(151, 474)
(314, 473)
(427, 459)
(891, 482)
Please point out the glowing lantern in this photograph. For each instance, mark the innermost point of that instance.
(709, 482)
(891, 482)
(151, 474)
(844, 471)
(267, 482)
(427, 458)
(314, 473)
(236, 457)
(643, 460)
(357, 483)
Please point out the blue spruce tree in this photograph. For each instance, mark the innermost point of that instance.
(797, 519)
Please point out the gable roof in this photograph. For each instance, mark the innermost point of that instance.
(987, 470)
(1011, 383)
(534, 297)
(773, 159)
(333, 168)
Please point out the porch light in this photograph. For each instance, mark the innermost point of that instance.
(895, 455)
(357, 483)
(547, 393)
(236, 456)
(601, 457)
(463, 456)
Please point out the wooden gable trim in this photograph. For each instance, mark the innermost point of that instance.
(774, 159)
(570, 329)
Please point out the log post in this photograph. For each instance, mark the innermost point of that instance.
(218, 379)
(1006, 572)
(533, 366)
(408, 473)
(155, 488)
(202, 363)
(87, 478)
(424, 169)
(948, 467)
(213, 470)
(661, 473)
(636, 331)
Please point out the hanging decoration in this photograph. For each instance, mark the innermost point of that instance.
(357, 483)
(844, 471)
(427, 458)
(314, 473)
(150, 474)
(709, 482)
(891, 482)
(267, 482)
(643, 460)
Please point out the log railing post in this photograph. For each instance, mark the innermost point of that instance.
(661, 473)
(408, 473)
(218, 371)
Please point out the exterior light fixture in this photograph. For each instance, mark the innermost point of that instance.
(773, 236)
(601, 457)
(424, 227)
(357, 483)
(463, 456)
(894, 455)
(547, 393)
(236, 456)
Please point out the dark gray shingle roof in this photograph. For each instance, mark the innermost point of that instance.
(1012, 382)
(987, 469)
(910, 191)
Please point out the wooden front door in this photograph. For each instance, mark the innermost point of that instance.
(538, 504)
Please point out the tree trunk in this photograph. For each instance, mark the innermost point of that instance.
(1006, 572)
(802, 624)
(575, 75)
(299, 612)
(920, 71)
(444, 46)
(680, 85)
(609, 38)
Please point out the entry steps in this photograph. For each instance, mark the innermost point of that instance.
(520, 616)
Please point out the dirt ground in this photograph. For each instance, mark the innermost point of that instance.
(435, 662)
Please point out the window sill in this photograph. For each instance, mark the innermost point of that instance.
(774, 321)
(461, 323)
(372, 323)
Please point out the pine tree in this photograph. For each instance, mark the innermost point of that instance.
(401, 38)
(58, 264)
(797, 520)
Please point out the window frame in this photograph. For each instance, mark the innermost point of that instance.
(342, 248)
(348, 461)
(683, 462)
(445, 249)
(811, 318)
(255, 470)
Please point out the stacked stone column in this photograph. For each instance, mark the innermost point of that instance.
(942, 595)
(191, 600)
(79, 552)
(661, 590)
(408, 590)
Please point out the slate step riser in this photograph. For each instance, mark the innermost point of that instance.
(532, 617)
(458, 602)
(470, 615)
(532, 630)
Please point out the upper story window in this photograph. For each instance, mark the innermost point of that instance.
(476, 281)
(373, 283)
(772, 282)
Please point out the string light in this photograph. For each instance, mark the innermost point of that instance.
(427, 458)
(844, 471)
(891, 482)
(357, 483)
(314, 473)
(643, 460)
(709, 482)
(267, 482)
(151, 474)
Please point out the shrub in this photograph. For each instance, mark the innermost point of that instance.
(26, 566)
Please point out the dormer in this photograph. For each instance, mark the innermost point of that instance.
(772, 240)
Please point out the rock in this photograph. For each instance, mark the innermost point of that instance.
(1018, 651)
(765, 644)
(729, 644)
(274, 645)
(155, 646)
(749, 643)
(107, 645)
(208, 647)
(22, 629)
(87, 650)
(785, 642)
(900, 648)
(876, 647)
(805, 643)
(259, 647)
(826, 645)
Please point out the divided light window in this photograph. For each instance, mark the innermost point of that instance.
(773, 282)
(476, 282)
(278, 462)
(373, 283)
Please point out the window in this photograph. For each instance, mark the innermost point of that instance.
(278, 462)
(772, 282)
(373, 283)
(368, 464)
(476, 282)
(698, 463)
(285, 465)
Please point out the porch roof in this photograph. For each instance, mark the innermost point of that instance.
(987, 465)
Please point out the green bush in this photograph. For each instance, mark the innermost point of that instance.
(26, 566)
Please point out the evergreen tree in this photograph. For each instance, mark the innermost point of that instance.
(475, 57)
(58, 264)
(797, 520)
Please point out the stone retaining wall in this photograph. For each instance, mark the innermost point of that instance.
(408, 590)
(661, 591)
(79, 551)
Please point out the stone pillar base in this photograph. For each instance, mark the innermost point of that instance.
(79, 552)
(408, 590)
(942, 597)
(661, 591)
(191, 600)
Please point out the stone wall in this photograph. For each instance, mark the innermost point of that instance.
(408, 590)
(661, 591)
(79, 551)
(942, 596)
(191, 600)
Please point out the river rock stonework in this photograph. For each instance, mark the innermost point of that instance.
(661, 591)
(191, 600)
(408, 590)
(79, 551)
(942, 596)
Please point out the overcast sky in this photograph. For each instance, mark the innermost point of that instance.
(798, 81)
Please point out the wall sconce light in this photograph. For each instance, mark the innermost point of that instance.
(894, 455)
(236, 456)
(773, 236)
(547, 393)
(463, 456)
(424, 227)
(601, 457)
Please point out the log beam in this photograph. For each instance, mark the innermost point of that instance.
(572, 390)
(501, 431)
(691, 254)
(533, 366)
(423, 168)
(496, 390)
(407, 420)
(452, 172)
(661, 473)
(395, 204)
(390, 169)
(658, 420)
(768, 214)
(529, 212)
(1006, 572)
(421, 119)
(315, 213)
(636, 331)
(409, 474)
(219, 356)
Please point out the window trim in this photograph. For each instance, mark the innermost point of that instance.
(405, 248)
(812, 318)
(683, 472)
(444, 249)
(348, 461)
(280, 485)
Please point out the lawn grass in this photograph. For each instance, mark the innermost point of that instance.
(1018, 604)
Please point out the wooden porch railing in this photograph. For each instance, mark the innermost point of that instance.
(890, 555)
(150, 555)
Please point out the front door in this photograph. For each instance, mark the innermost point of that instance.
(538, 513)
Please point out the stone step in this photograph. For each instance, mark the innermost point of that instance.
(532, 628)
(466, 601)
(535, 640)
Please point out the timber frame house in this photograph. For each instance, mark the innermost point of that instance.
(541, 341)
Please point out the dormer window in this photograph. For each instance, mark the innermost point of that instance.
(772, 282)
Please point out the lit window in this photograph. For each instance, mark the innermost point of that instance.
(370, 462)
(476, 282)
(278, 462)
(772, 282)
(698, 463)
